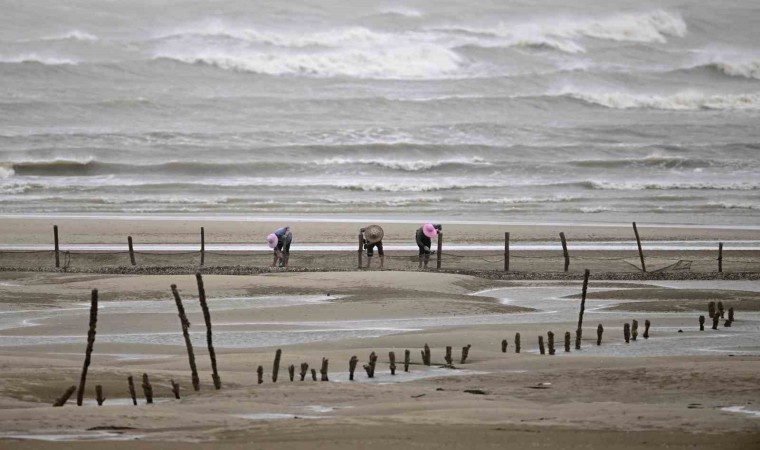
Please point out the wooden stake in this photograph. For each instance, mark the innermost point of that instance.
(504, 346)
(551, 342)
(352, 367)
(90, 344)
(147, 389)
(440, 250)
(313, 374)
(132, 392)
(392, 358)
(627, 333)
(370, 368)
(701, 323)
(721, 311)
(426, 355)
(292, 372)
(465, 353)
(720, 257)
(647, 323)
(567, 342)
(731, 314)
(541, 345)
(65, 397)
(641, 252)
(599, 333)
(517, 342)
(323, 370)
(203, 247)
(716, 318)
(304, 370)
(276, 366)
(506, 252)
(447, 358)
(175, 389)
(131, 251)
(584, 290)
(564, 250)
(209, 334)
(361, 249)
(186, 333)
(634, 329)
(407, 358)
(711, 309)
(57, 256)
(99, 395)
(260, 374)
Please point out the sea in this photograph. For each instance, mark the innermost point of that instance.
(489, 110)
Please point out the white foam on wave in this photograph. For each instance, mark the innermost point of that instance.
(36, 58)
(682, 101)
(518, 200)
(663, 185)
(73, 35)
(405, 165)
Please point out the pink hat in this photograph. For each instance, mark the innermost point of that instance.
(429, 230)
(272, 240)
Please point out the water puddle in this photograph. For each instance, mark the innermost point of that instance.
(275, 416)
(742, 410)
(80, 436)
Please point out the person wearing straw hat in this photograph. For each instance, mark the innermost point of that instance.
(373, 237)
(279, 241)
(423, 236)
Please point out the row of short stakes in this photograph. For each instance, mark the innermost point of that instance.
(630, 333)
(716, 315)
(100, 398)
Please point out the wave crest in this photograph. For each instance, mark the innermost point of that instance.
(683, 101)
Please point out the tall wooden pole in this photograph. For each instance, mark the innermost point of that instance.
(203, 247)
(440, 249)
(209, 336)
(579, 330)
(131, 251)
(564, 250)
(361, 244)
(506, 252)
(720, 257)
(55, 238)
(186, 333)
(641, 252)
(90, 344)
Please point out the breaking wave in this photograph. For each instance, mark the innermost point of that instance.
(683, 101)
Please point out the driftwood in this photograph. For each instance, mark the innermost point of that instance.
(465, 353)
(147, 389)
(60, 401)
(323, 369)
(599, 333)
(304, 370)
(90, 344)
(186, 333)
(517, 342)
(209, 335)
(627, 333)
(99, 395)
(550, 342)
(276, 365)
(175, 389)
(392, 358)
(132, 391)
(352, 367)
(647, 324)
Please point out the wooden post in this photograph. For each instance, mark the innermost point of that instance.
(627, 333)
(551, 342)
(701, 323)
(203, 247)
(186, 333)
(584, 290)
(304, 370)
(426, 355)
(599, 333)
(731, 314)
(147, 389)
(567, 342)
(370, 368)
(716, 318)
(132, 392)
(407, 357)
(175, 389)
(276, 366)
(260, 374)
(634, 329)
(721, 311)
(439, 251)
(313, 374)
(352, 367)
(638, 243)
(57, 256)
(647, 323)
(504, 346)
(131, 251)
(60, 401)
(506, 252)
(99, 395)
(292, 372)
(564, 250)
(711, 309)
(323, 369)
(517, 342)
(465, 353)
(392, 358)
(447, 358)
(720, 257)
(361, 249)
(209, 335)
(90, 344)
(541, 345)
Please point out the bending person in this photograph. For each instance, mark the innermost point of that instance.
(423, 236)
(373, 237)
(280, 241)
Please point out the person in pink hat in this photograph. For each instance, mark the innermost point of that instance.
(423, 236)
(280, 241)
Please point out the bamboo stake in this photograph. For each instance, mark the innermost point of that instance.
(132, 392)
(186, 333)
(57, 256)
(564, 250)
(638, 243)
(90, 344)
(60, 401)
(209, 334)
(276, 366)
(131, 251)
(99, 395)
(147, 389)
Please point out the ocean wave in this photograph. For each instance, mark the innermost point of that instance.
(747, 69)
(407, 165)
(402, 11)
(665, 186)
(414, 186)
(27, 58)
(73, 35)
(683, 101)
(651, 161)
(518, 200)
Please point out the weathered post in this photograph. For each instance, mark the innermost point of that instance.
(99, 395)
(292, 372)
(638, 243)
(209, 335)
(564, 250)
(711, 309)
(132, 391)
(584, 290)
(186, 333)
(370, 368)
(447, 358)
(361, 248)
(506, 252)
(541, 344)
(323, 369)
(517, 342)
(440, 250)
(550, 342)
(720, 257)
(60, 401)
(426, 355)
(131, 251)
(203, 247)
(175, 389)
(147, 389)
(352, 367)
(407, 358)
(313, 374)
(504, 346)
(701, 323)
(721, 311)
(634, 329)
(276, 366)
(304, 370)
(392, 358)
(731, 314)
(567, 342)
(627, 333)
(647, 323)
(90, 344)
(57, 256)
(599, 333)
(465, 353)
(716, 318)
(260, 374)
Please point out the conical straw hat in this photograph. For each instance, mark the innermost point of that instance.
(373, 234)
